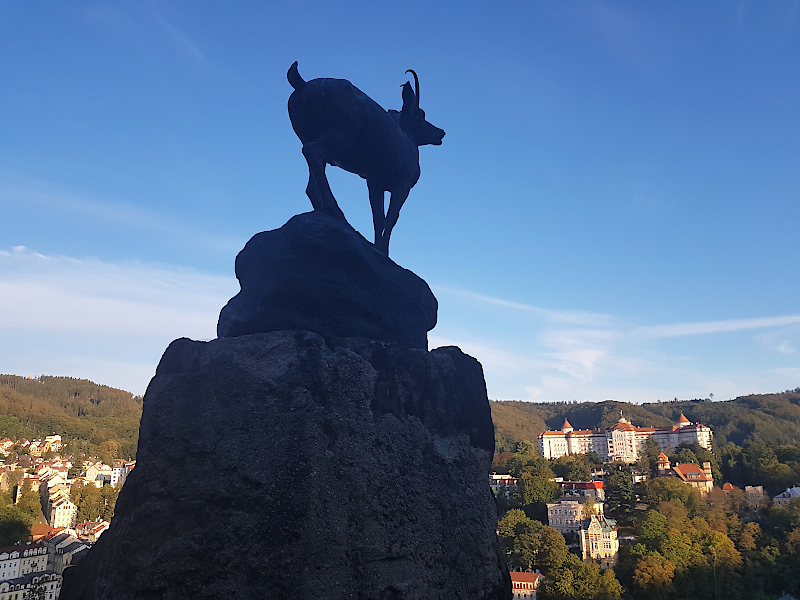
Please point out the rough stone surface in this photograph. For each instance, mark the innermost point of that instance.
(285, 466)
(317, 273)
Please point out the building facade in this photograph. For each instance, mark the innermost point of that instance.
(784, 498)
(17, 561)
(699, 478)
(623, 442)
(502, 484)
(599, 541)
(566, 515)
(584, 489)
(524, 585)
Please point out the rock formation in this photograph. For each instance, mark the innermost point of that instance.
(280, 462)
(317, 273)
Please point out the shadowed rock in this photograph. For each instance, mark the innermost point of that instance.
(282, 465)
(317, 273)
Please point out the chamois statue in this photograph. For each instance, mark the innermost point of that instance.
(340, 125)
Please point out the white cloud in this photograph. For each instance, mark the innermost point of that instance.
(55, 293)
(107, 321)
(709, 327)
(568, 317)
(27, 191)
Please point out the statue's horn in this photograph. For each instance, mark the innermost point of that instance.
(416, 83)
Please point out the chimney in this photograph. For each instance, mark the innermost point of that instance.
(707, 470)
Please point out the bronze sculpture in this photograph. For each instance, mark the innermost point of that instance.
(340, 125)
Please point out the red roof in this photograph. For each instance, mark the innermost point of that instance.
(566, 425)
(727, 487)
(690, 472)
(624, 427)
(583, 485)
(524, 577)
(683, 419)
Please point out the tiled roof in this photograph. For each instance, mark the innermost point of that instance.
(690, 472)
(623, 426)
(524, 577)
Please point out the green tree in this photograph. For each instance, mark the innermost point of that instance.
(540, 547)
(576, 580)
(109, 497)
(609, 587)
(15, 526)
(537, 487)
(31, 506)
(90, 504)
(588, 508)
(108, 451)
(620, 496)
(76, 469)
(653, 577)
(652, 529)
(671, 489)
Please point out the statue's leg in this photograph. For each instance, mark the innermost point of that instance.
(378, 218)
(396, 201)
(316, 170)
(313, 193)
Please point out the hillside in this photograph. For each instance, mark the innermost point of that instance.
(771, 418)
(84, 413)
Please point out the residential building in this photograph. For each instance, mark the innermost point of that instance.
(566, 515)
(599, 540)
(16, 561)
(755, 495)
(784, 498)
(502, 484)
(119, 472)
(524, 585)
(19, 588)
(54, 441)
(623, 441)
(64, 548)
(90, 531)
(699, 478)
(584, 489)
(57, 507)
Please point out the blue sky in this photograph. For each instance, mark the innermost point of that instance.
(612, 214)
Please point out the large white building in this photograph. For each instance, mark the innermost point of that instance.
(623, 441)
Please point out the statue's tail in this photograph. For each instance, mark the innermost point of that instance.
(294, 78)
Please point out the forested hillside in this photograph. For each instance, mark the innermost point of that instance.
(84, 413)
(770, 418)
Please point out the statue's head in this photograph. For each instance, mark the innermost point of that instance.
(412, 117)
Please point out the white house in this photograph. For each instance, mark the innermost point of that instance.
(784, 498)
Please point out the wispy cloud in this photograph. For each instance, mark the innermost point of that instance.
(711, 327)
(63, 294)
(567, 317)
(26, 191)
(550, 354)
(107, 321)
(137, 22)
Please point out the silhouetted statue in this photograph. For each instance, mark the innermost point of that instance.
(340, 125)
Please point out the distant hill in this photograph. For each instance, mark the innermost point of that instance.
(771, 418)
(78, 409)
